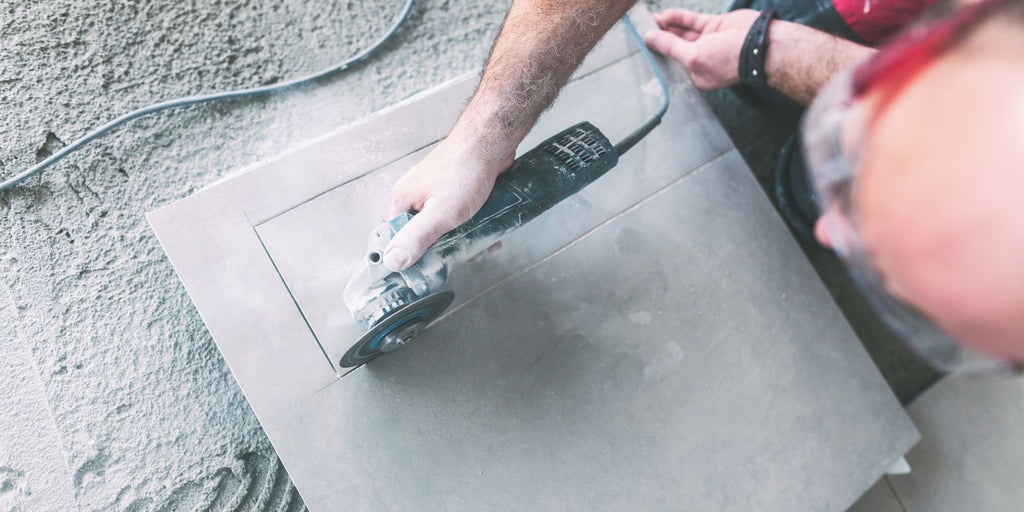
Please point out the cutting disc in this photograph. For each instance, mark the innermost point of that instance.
(420, 313)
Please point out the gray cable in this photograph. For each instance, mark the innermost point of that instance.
(207, 98)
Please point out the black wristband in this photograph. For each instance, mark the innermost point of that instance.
(753, 55)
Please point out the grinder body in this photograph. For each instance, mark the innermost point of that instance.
(386, 302)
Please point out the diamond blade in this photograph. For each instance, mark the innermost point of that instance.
(422, 311)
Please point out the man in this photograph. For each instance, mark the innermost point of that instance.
(938, 175)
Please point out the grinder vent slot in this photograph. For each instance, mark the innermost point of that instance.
(577, 149)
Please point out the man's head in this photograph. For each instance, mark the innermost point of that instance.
(938, 196)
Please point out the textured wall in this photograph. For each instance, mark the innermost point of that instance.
(112, 394)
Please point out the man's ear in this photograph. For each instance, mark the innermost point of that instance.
(821, 233)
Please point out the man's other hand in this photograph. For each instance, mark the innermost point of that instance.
(446, 188)
(709, 46)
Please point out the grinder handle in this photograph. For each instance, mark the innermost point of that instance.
(554, 170)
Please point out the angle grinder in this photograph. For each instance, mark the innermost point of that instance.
(397, 306)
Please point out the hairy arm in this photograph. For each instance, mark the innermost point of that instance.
(540, 45)
(801, 60)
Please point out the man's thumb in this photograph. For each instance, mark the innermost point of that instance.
(409, 244)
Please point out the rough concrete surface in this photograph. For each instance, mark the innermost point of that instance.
(113, 394)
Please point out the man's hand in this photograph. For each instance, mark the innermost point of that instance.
(446, 188)
(799, 61)
(709, 46)
(540, 44)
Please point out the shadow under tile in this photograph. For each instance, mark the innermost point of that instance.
(879, 498)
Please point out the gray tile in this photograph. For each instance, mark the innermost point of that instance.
(759, 133)
(971, 455)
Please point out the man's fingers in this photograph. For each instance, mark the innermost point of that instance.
(682, 18)
(670, 45)
(412, 241)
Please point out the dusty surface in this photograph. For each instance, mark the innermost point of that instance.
(112, 394)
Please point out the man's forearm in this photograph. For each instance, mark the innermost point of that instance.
(540, 45)
(801, 60)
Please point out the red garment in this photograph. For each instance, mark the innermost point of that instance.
(876, 20)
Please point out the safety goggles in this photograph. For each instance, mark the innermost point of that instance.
(833, 131)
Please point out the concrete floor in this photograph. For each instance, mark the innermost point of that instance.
(114, 396)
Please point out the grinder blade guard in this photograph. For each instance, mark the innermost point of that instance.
(396, 306)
